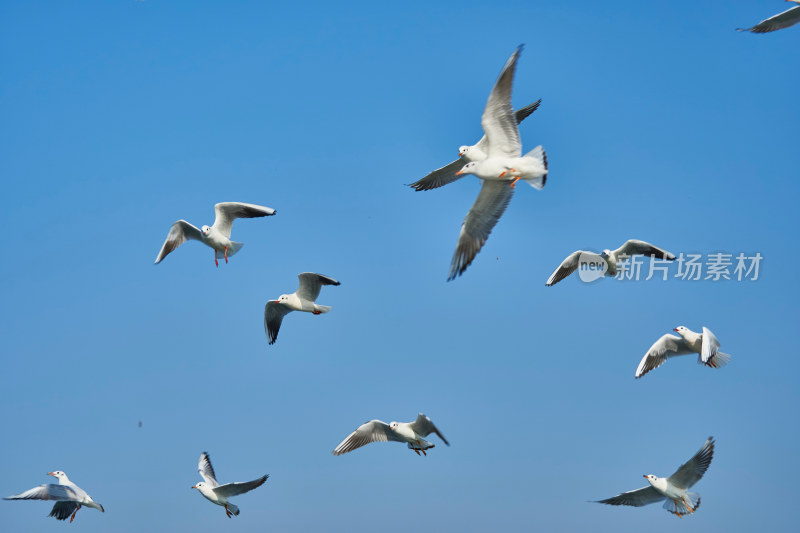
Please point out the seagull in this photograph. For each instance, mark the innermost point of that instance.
(611, 258)
(673, 489)
(705, 344)
(69, 497)
(790, 17)
(466, 154)
(219, 494)
(378, 431)
(302, 300)
(499, 172)
(217, 236)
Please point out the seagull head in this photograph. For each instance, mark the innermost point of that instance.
(58, 474)
(284, 298)
(681, 330)
(650, 478)
(199, 485)
(393, 425)
(205, 230)
(469, 168)
(606, 253)
(462, 150)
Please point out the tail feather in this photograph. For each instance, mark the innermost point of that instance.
(539, 154)
(717, 360)
(680, 508)
(232, 508)
(322, 308)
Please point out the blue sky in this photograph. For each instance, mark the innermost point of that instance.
(660, 122)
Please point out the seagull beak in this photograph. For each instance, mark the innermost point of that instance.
(676, 329)
(459, 172)
(194, 486)
(51, 474)
(644, 476)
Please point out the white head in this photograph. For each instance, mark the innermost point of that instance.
(393, 425)
(200, 485)
(205, 230)
(283, 299)
(606, 252)
(463, 150)
(682, 330)
(469, 168)
(58, 474)
(650, 478)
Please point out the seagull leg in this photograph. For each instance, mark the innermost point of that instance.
(227, 512)
(415, 450)
(688, 506)
(215, 257)
(226, 255)
(316, 312)
(73, 514)
(421, 449)
(514, 182)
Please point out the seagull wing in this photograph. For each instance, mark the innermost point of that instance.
(63, 510)
(498, 120)
(634, 247)
(790, 17)
(568, 266)
(206, 470)
(227, 212)
(47, 492)
(692, 470)
(519, 115)
(440, 177)
(178, 234)
(709, 347)
(636, 498)
(424, 426)
(664, 348)
(234, 489)
(482, 217)
(273, 316)
(311, 284)
(372, 431)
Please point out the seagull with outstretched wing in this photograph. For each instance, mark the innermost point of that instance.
(788, 18)
(705, 344)
(304, 299)
(68, 496)
(411, 433)
(219, 494)
(217, 236)
(672, 490)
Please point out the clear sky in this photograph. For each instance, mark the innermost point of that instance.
(660, 122)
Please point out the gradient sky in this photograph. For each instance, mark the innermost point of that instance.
(660, 122)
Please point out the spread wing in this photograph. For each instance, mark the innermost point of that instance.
(234, 489)
(568, 266)
(47, 492)
(372, 431)
(178, 234)
(482, 217)
(790, 17)
(63, 510)
(692, 470)
(709, 347)
(206, 470)
(519, 115)
(424, 426)
(498, 120)
(664, 348)
(311, 284)
(441, 176)
(636, 498)
(634, 247)
(227, 212)
(273, 316)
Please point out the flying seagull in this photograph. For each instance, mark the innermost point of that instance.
(499, 171)
(301, 300)
(705, 344)
(68, 496)
(610, 257)
(378, 431)
(466, 154)
(219, 494)
(673, 490)
(217, 236)
(790, 17)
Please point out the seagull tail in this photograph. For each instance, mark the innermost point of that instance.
(692, 498)
(232, 508)
(540, 155)
(322, 308)
(717, 360)
(232, 249)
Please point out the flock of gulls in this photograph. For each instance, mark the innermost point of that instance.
(497, 160)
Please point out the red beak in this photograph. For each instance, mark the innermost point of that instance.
(676, 329)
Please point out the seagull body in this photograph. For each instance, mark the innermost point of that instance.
(304, 299)
(466, 154)
(68, 496)
(689, 342)
(217, 236)
(611, 257)
(788, 18)
(503, 150)
(219, 494)
(673, 490)
(411, 433)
